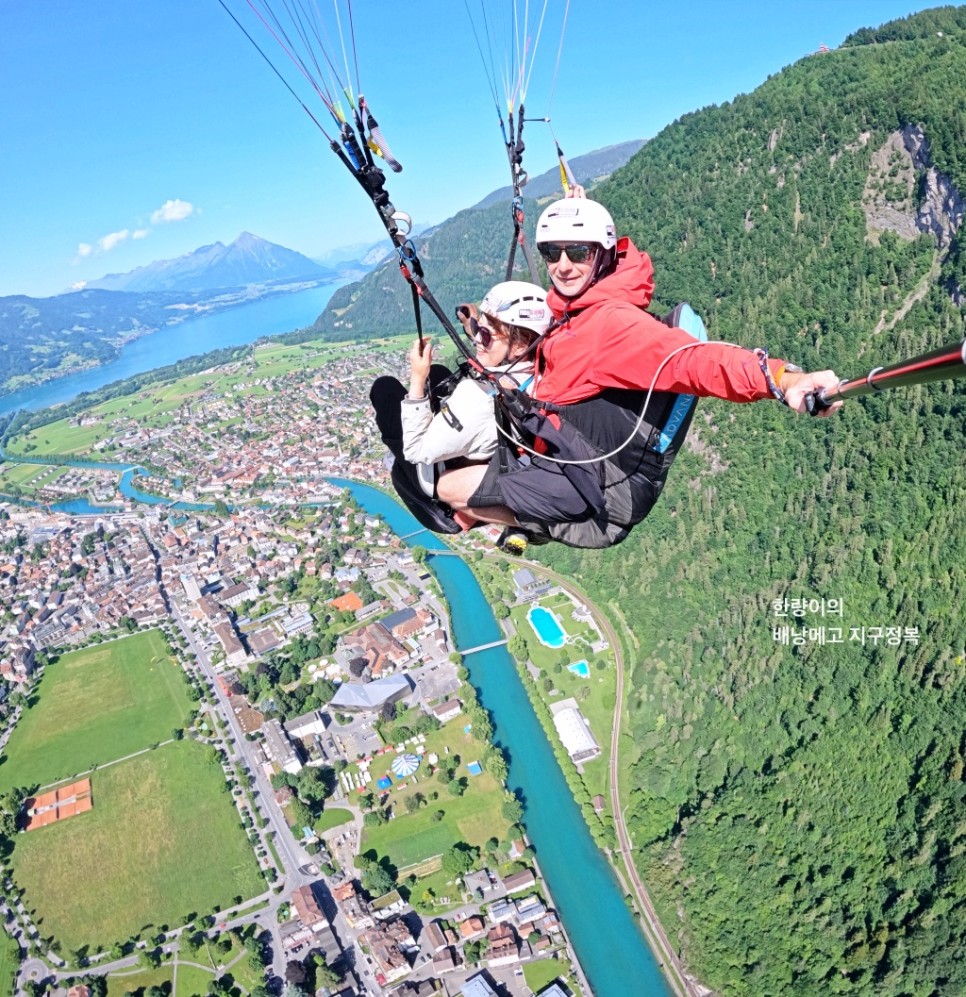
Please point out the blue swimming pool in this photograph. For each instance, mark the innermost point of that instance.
(546, 626)
(580, 668)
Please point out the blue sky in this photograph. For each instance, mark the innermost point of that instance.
(136, 130)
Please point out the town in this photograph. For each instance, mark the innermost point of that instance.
(323, 678)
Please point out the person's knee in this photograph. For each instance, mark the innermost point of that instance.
(385, 388)
(451, 490)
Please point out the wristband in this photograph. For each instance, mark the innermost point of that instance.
(762, 355)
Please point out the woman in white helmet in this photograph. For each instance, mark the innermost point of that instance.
(510, 318)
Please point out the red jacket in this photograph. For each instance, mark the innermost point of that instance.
(608, 341)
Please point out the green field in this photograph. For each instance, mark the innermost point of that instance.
(332, 817)
(473, 818)
(9, 961)
(162, 841)
(595, 695)
(28, 476)
(192, 981)
(119, 984)
(95, 705)
(542, 972)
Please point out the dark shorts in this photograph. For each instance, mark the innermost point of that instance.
(535, 490)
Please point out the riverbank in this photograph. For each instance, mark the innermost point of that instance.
(683, 984)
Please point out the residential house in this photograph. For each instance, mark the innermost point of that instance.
(504, 947)
(447, 711)
(517, 881)
(389, 942)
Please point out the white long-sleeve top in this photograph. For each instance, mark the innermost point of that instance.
(465, 426)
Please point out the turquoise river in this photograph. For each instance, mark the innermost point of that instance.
(609, 944)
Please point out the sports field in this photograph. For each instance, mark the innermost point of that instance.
(162, 841)
(95, 705)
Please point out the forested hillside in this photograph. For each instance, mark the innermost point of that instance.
(462, 257)
(798, 807)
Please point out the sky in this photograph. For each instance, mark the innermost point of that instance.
(138, 130)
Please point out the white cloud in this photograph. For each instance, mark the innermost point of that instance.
(173, 211)
(112, 239)
(84, 249)
(140, 233)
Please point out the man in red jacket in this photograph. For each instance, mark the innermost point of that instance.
(603, 362)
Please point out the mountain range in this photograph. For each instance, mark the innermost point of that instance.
(247, 260)
(45, 338)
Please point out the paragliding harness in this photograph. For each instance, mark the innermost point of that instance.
(614, 450)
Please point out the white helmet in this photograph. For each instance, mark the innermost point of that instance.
(577, 219)
(516, 302)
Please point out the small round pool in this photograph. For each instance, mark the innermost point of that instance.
(546, 626)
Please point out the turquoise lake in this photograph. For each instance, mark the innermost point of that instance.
(232, 327)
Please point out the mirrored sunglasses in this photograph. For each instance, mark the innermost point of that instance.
(577, 252)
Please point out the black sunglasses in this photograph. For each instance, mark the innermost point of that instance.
(482, 334)
(577, 252)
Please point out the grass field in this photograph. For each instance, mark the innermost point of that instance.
(9, 961)
(28, 475)
(413, 838)
(118, 984)
(95, 705)
(543, 972)
(192, 982)
(595, 695)
(332, 817)
(162, 841)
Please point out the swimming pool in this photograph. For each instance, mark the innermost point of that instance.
(546, 626)
(580, 668)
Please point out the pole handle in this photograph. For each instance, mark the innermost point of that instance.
(816, 402)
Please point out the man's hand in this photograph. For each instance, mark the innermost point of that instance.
(797, 385)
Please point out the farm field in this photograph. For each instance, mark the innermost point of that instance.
(96, 705)
(162, 841)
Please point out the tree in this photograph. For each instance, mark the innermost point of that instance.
(377, 880)
(459, 859)
(456, 787)
(326, 976)
(496, 766)
(512, 809)
(301, 813)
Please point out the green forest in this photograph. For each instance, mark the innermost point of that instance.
(797, 705)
